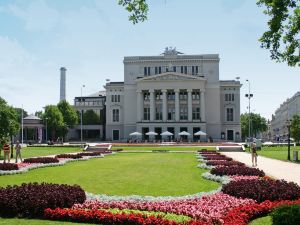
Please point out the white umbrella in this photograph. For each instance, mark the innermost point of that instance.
(151, 133)
(166, 133)
(200, 133)
(182, 133)
(135, 134)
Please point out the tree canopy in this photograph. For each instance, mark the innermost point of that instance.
(54, 118)
(89, 117)
(138, 9)
(282, 36)
(295, 128)
(68, 112)
(258, 124)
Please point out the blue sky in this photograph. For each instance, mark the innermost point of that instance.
(91, 37)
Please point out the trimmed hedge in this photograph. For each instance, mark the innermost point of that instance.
(30, 200)
(262, 190)
(237, 170)
(43, 160)
(8, 166)
(286, 215)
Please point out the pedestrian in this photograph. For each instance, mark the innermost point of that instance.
(6, 150)
(18, 151)
(254, 154)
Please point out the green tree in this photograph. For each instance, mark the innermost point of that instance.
(68, 112)
(19, 114)
(283, 29)
(55, 121)
(258, 124)
(295, 128)
(138, 9)
(39, 114)
(9, 124)
(89, 117)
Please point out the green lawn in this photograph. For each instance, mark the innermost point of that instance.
(169, 148)
(158, 174)
(28, 152)
(267, 220)
(279, 153)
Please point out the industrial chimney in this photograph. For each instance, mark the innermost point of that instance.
(62, 83)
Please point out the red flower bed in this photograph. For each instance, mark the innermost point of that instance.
(8, 166)
(217, 157)
(69, 156)
(243, 214)
(43, 160)
(224, 163)
(237, 170)
(262, 190)
(89, 154)
(107, 218)
(31, 199)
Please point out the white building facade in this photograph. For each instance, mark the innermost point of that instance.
(173, 92)
(286, 111)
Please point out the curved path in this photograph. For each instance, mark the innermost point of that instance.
(272, 167)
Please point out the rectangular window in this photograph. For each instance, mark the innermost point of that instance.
(146, 114)
(156, 70)
(112, 98)
(183, 95)
(229, 114)
(184, 113)
(116, 116)
(185, 69)
(171, 96)
(196, 113)
(229, 97)
(195, 95)
(167, 69)
(171, 113)
(146, 95)
(158, 113)
(181, 69)
(159, 70)
(119, 98)
(174, 68)
(158, 95)
(147, 71)
(196, 70)
(193, 70)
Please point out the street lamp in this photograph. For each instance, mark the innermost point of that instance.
(288, 124)
(46, 119)
(249, 96)
(81, 138)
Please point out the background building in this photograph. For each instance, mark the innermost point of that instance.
(285, 112)
(173, 92)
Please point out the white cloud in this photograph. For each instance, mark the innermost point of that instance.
(38, 16)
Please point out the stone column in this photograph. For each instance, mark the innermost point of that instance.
(139, 105)
(190, 105)
(164, 105)
(202, 105)
(152, 105)
(177, 105)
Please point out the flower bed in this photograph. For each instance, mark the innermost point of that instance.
(89, 154)
(8, 166)
(262, 190)
(224, 163)
(32, 199)
(217, 157)
(43, 160)
(243, 214)
(69, 156)
(237, 170)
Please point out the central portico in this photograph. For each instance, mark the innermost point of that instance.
(175, 93)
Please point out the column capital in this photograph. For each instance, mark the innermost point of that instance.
(164, 91)
(177, 90)
(189, 90)
(151, 90)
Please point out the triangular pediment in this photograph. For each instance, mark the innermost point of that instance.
(170, 76)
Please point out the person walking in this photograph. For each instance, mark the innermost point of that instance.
(6, 150)
(18, 151)
(254, 154)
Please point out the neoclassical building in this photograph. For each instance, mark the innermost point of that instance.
(173, 92)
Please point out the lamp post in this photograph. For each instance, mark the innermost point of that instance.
(22, 125)
(249, 96)
(46, 119)
(81, 138)
(288, 124)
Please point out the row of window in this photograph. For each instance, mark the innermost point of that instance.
(89, 103)
(171, 95)
(183, 69)
(229, 97)
(115, 98)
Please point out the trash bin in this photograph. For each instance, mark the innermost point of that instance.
(295, 156)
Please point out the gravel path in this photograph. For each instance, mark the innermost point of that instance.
(272, 167)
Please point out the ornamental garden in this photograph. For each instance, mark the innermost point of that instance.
(193, 187)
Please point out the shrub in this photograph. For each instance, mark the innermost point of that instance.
(237, 170)
(8, 166)
(30, 200)
(43, 160)
(262, 190)
(89, 154)
(69, 156)
(224, 163)
(286, 215)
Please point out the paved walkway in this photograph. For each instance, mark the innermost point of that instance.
(272, 167)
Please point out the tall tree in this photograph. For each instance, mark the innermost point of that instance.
(54, 118)
(283, 30)
(295, 128)
(90, 117)
(68, 112)
(258, 124)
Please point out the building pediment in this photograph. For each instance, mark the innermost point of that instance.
(170, 76)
